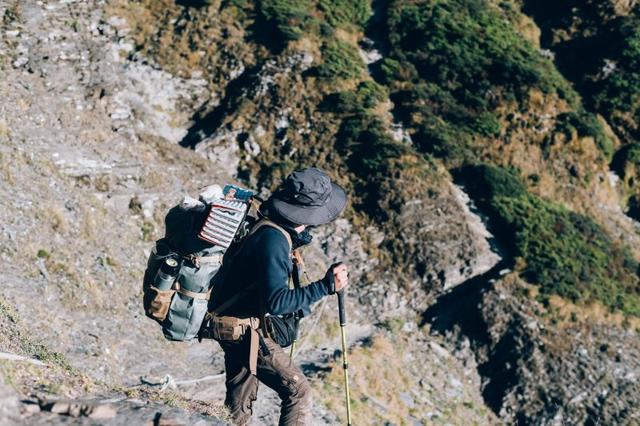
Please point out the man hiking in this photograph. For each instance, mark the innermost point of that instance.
(255, 305)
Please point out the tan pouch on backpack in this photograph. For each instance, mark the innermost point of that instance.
(160, 301)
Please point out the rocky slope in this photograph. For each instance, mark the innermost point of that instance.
(111, 111)
(556, 368)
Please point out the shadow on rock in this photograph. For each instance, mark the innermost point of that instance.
(194, 3)
(205, 123)
(461, 312)
(458, 310)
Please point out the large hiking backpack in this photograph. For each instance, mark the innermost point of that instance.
(182, 266)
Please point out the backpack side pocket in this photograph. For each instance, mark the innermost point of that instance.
(160, 301)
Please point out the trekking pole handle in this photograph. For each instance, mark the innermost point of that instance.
(341, 312)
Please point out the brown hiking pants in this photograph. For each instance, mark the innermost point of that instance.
(275, 370)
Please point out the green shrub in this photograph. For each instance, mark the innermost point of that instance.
(371, 93)
(487, 124)
(367, 96)
(376, 161)
(626, 163)
(346, 12)
(600, 55)
(568, 254)
(342, 103)
(626, 159)
(484, 182)
(241, 4)
(392, 70)
(586, 124)
(368, 146)
(326, 30)
(466, 47)
(443, 139)
(187, 3)
(452, 62)
(341, 60)
(621, 90)
(289, 18)
(565, 253)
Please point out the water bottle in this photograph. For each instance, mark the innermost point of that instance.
(167, 274)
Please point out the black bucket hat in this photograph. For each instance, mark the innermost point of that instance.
(308, 197)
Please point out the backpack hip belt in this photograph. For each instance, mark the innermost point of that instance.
(226, 328)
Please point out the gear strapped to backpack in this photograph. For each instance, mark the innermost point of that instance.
(181, 266)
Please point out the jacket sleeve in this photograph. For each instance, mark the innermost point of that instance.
(273, 263)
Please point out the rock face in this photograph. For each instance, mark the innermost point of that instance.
(71, 159)
(458, 242)
(572, 372)
(9, 404)
(118, 411)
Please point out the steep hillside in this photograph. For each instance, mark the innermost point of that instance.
(83, 194)
(489, 97)
(595, 44)
(495, 272)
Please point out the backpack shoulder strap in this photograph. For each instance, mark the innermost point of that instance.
(299, 270)
(267, 222)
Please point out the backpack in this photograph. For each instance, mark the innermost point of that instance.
(182, 265)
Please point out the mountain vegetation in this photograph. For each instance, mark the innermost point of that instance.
(466, 85)
(490, 150)
(566, 253)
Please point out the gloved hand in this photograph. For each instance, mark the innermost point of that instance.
(337, 277)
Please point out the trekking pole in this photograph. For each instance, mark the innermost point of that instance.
(345, 362)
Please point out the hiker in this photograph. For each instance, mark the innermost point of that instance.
(255, 291)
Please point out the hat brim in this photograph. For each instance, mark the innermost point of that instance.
(313, 215)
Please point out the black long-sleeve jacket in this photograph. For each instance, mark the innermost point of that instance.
(264, 260)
